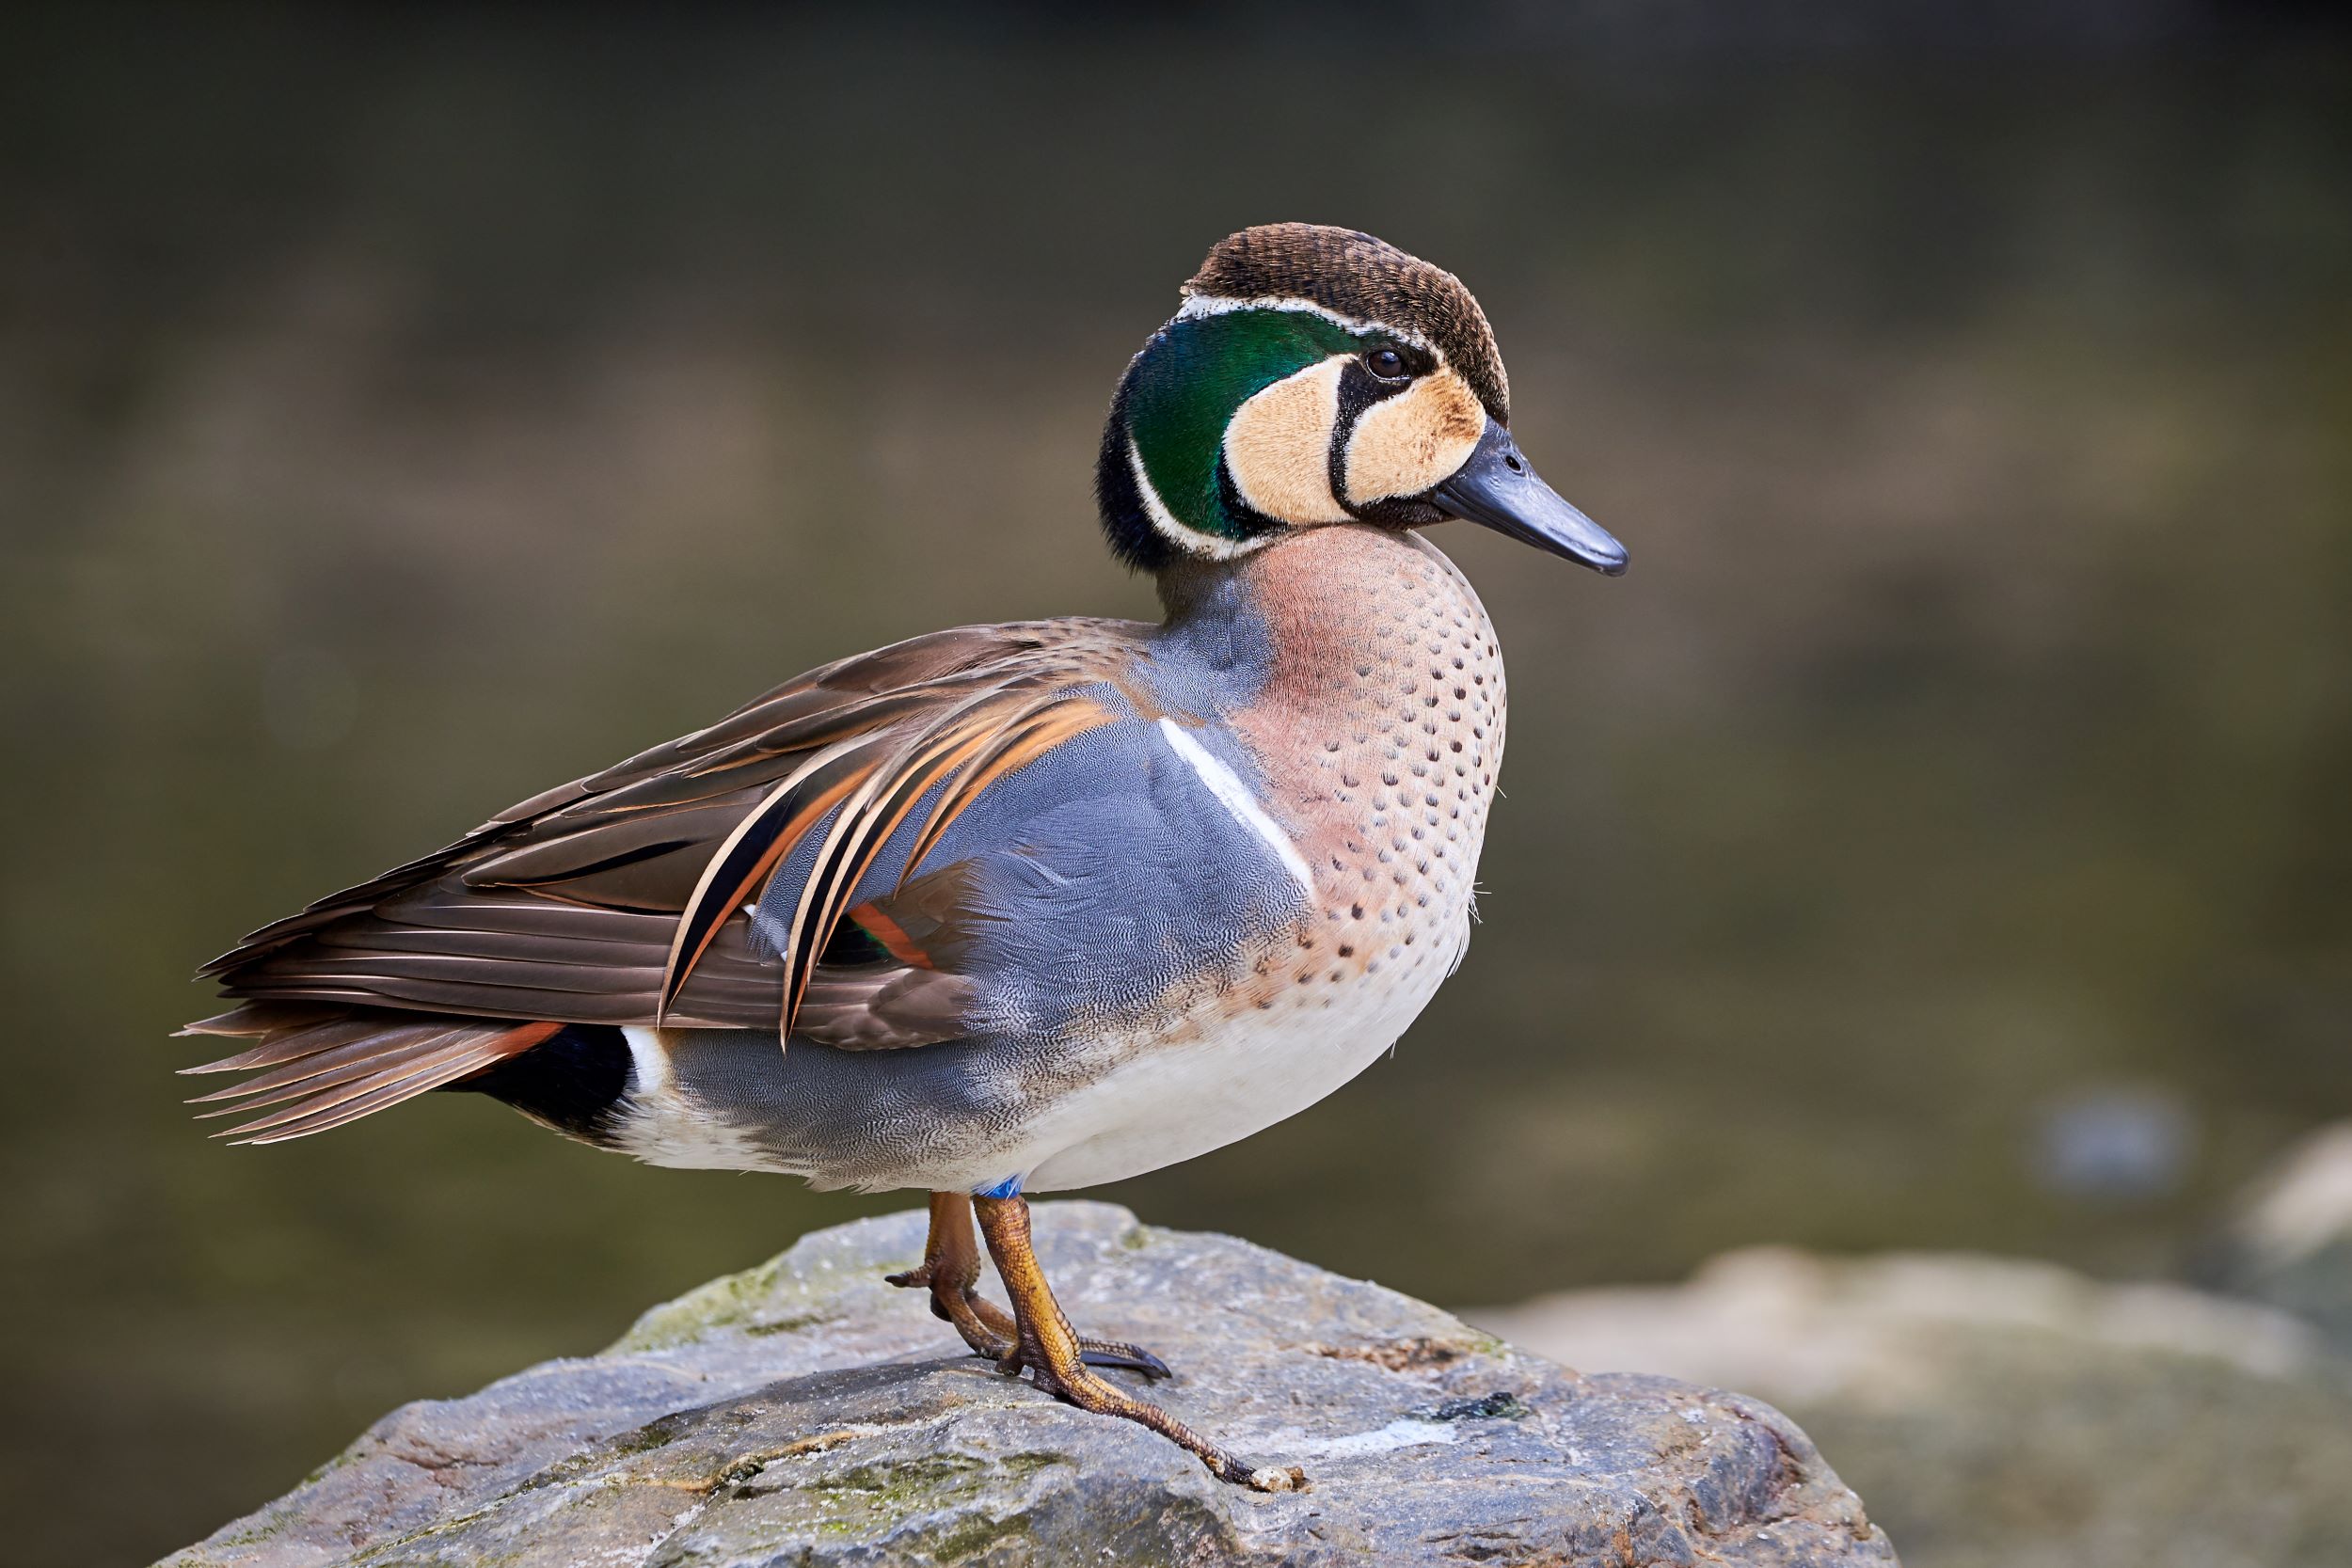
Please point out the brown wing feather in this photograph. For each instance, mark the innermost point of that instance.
(887, 1007)
(619, 897)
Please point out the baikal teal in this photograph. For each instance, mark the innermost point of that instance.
(1019, 908)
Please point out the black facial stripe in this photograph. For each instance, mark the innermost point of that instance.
(1359, 390)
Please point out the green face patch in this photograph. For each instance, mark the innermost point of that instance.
(1190, 380)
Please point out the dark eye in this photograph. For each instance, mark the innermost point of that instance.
(1386, 363)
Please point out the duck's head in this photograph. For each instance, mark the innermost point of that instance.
(1317, 376)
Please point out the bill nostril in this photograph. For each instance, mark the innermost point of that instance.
(1511, 461)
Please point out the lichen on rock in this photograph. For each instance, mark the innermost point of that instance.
(805, 1412)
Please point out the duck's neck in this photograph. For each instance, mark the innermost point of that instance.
(1284, 622)
(1359, 670)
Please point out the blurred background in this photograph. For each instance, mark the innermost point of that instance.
(1939, 841)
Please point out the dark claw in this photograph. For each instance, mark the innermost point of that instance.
(1134, 1358)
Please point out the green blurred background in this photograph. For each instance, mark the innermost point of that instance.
(1939, 840)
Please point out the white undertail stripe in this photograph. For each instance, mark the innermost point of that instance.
(1235, 797)
(650, 1060)
(662, 1123)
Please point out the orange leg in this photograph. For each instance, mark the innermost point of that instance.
(1055, 1355)
(951, 1270)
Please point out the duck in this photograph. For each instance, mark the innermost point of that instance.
(1010, 909)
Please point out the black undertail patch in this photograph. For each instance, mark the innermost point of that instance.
(573, 1082)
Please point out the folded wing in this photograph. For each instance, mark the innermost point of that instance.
(629, 896)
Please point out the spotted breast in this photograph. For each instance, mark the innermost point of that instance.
(1381, 738)
(1377, 735)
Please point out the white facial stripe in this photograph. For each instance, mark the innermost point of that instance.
(1176, 531)
(1278, 445)
(1197, 306)
(1235, 797)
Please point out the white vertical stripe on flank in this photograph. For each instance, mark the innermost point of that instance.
(1234, 796)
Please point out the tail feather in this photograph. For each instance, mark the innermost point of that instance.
(336, 1108)
(330, 1066)
(287, 1032)
(326, 1068)
(298, 1080)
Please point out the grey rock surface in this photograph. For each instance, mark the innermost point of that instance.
(805, 1413)
(2004, 1414)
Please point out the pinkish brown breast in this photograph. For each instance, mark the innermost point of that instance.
(1379, 737)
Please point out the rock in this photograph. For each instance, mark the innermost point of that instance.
(805, 1413)
(2010, 1413)
(2290, 1243)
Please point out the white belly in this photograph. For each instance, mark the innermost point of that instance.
(1164, 1096)
(1175, 1098)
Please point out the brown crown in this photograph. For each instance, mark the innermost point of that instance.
(1351, 273)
